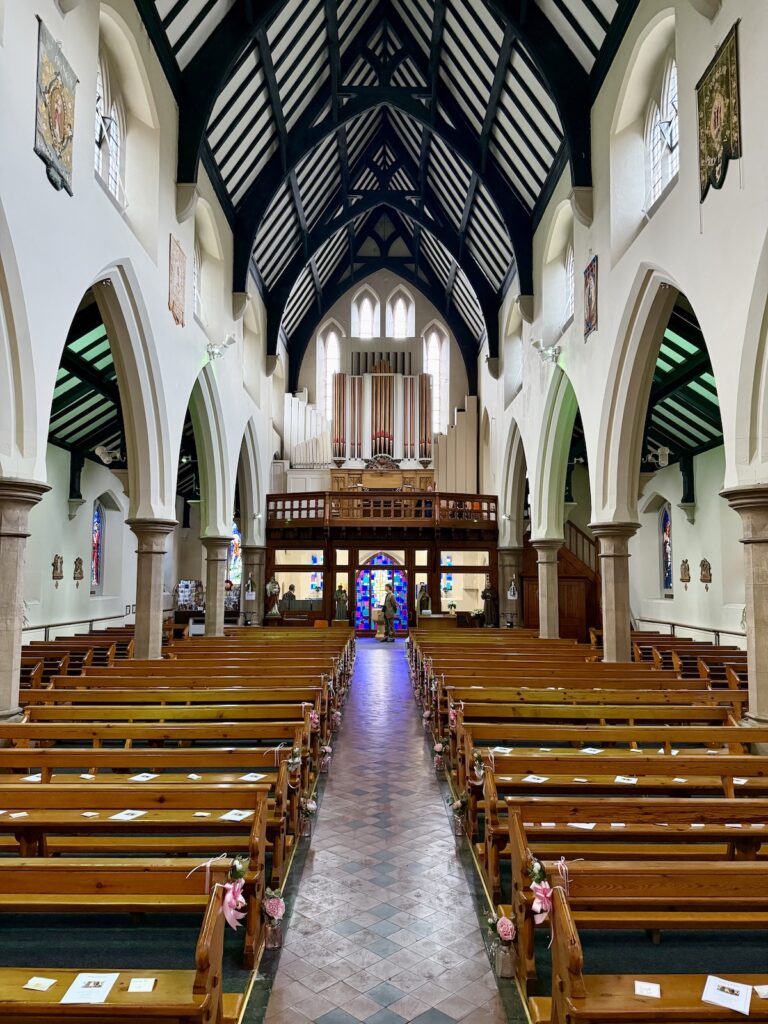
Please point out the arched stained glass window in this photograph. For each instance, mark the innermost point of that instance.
(400, 319)
(655, 143)
(665, 541)
(672, 120)
(114, 137)
(366, 318)
(570, 284)
(235, 560)
(434, 343)
(97, 546)
(99, 124)
(332, 366)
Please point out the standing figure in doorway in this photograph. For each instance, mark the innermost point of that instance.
(490, 598)
(390, 613)
(342, 606)
(273, 599)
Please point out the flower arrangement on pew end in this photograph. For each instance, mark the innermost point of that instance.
(458, 806)
(326, 753)
(314, 720)
(502, 951)
(234, 901)
(478, 766)
(426, 720)
(307, 811)
(336, 718)
(273, 907)
(294, 761)
(541, 889)
(441, 749)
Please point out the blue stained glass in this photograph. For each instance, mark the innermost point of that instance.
(235, 562)
(370, 588)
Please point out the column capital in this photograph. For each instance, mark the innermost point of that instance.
(752, 505)
(548, 545)
(17, 498)
(151, 526)
(216, 546)
(621, 529)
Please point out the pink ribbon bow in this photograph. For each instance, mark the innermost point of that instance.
(232, 903)
(207, 864)
(542, 903)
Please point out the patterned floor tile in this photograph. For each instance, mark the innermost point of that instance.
(384, 929)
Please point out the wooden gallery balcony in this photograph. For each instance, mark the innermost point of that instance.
(365, 513)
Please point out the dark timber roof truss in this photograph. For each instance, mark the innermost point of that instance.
(456, 117)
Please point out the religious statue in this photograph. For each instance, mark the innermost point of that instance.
(423, 600)
(77, 575)
(685, 573)
(490, 597)
(58, 568)
(273, 599)
(705, 573)
(342, 604)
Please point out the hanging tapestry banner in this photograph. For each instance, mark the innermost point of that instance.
(177, 275)
(717, 100)
(590, 298)
(55, 110)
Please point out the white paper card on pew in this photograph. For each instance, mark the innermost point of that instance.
(90, 988)
(37, 984)
(536, 778)
(235, 815)
(592, 750)
(679, 779)
(194, 777)
(126, 815)
(87, 776)
(587, 825)
(733, 995)
(252, 777)
(762, 991)
(39, 778)
(142, 777)
(648, 988)
(18, 814)
(628, 780)
(502, 750)
(201, 814)
(740, 782)
(141, 984)
(90, 814)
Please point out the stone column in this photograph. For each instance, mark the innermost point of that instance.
(254, 559)
(549, 600)
(752, 505)
(216, 549)
(614, 571)
(17, 498)
(510, 566)
(151, 535)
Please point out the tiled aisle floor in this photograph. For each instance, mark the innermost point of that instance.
(383, 928)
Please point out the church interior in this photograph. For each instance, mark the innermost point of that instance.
(383, 511)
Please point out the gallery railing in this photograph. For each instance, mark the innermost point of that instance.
(399, 508)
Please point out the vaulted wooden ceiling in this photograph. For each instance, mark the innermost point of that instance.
(316, 117)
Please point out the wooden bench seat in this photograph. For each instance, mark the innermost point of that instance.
(170, 818)
(179, 996)
(589, 999)
(640, 894)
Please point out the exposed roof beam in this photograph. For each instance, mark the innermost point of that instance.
(499, 78)
(684, 374)
(88, 374)
(566, 79)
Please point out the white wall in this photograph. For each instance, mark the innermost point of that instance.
(714, 535)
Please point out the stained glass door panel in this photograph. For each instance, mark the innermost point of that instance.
(370, 589)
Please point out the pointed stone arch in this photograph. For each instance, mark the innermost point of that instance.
(547, 497)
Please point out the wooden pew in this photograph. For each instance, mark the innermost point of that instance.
(171, 817)
(586, 999)
(644, 895)
(180, 996)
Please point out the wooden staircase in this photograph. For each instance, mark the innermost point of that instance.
(579, 585)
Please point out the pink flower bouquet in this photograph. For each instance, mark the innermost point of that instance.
(274, 905)
(505, 929)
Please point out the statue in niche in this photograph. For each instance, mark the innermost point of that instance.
(273, 599)
(77, 575)
(685, 573)
(342, 603)
(423, 600)
(58, 568)
(490, 597)
(705, 573)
